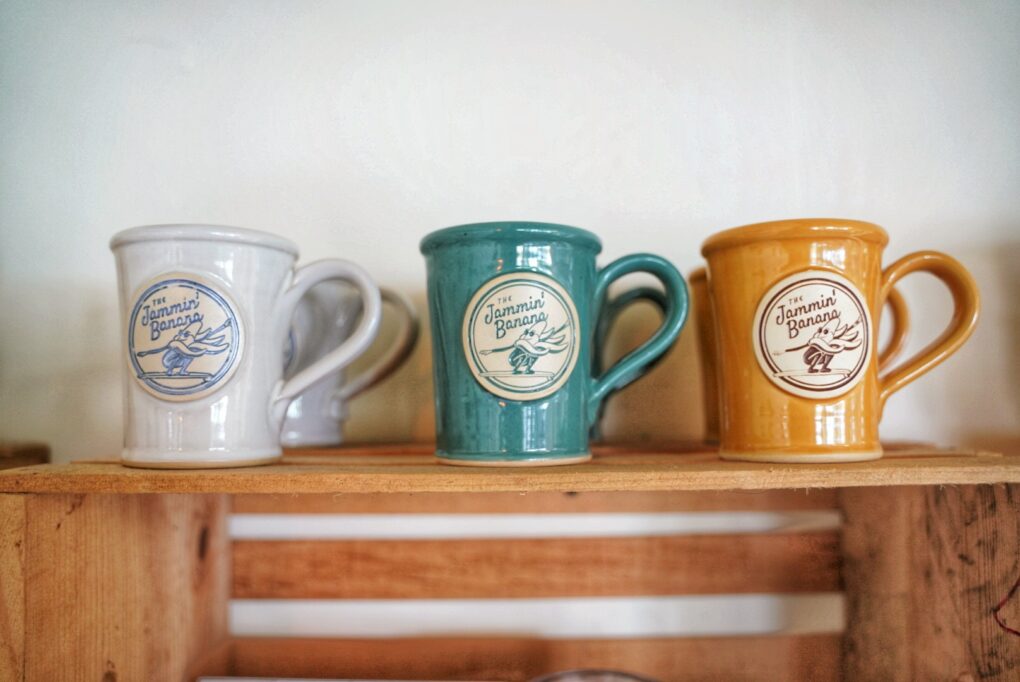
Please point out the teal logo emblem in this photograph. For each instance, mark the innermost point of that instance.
(521, 336)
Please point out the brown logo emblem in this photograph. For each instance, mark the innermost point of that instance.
(812, 334)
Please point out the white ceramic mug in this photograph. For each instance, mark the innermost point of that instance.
(324, 318)
(206, 311)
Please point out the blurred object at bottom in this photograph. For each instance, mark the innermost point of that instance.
(592, 676)
(16, 454)
(565, 676)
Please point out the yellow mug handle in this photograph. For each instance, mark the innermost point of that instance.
(966, 306)
(900, 326)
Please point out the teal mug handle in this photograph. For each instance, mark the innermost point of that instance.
(633, 364)
(612, 310)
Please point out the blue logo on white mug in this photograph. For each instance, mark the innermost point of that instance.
(184, 338)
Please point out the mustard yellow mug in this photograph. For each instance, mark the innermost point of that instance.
(704, 324)
(796, 305)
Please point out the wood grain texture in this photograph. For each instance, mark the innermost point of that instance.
(735, 659)
(12, 587)
(537, 503)
(877, 525)
(417, 473)
(924, 568)
(561, 567)
(123, 587)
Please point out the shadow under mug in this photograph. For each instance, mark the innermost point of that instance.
(206, 310)
(512, 308)
(796, 305)
(325, 317)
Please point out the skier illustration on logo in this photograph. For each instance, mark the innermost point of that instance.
(184, 337)
(520, 336)
(534, 342)
(188, 344)
(812, 334)
(829, 341)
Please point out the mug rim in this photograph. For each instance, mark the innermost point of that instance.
(795, 228)
(504, 230)
(202, 232)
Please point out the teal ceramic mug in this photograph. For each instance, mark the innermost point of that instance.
(513, 309)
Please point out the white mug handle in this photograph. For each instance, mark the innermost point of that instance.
(399, 349)
(305, 278)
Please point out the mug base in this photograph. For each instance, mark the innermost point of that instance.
(477, 461)
(801, 457)
(200, 464)
(312, 442)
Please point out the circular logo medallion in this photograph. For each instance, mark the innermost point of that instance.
(812, 334)
(184, 337)
(521, 336)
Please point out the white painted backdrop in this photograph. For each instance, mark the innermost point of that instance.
(356, 127)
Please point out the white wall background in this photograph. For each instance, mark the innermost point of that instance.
(356, 127)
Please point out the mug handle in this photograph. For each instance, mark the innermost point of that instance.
(612, 310)
(966, 306)
(305, 278)
(900, 326)
(632, 364)
(399, 349)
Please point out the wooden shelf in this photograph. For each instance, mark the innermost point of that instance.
(99, 582)
(407, 469)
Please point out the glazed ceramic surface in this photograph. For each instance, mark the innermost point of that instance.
(206, 311)
(704, 322)
(607, 316)
(512, 309)
(796, 305)
(704, 325)
(326, 316)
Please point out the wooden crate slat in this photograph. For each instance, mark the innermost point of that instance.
(924, 568)
(537, 503)
(123, 587)
(805, 658)
(561, 567)
(418, 473)
(12, 593)
(97, 586)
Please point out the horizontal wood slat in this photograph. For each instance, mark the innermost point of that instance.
(537, 503)
(563, 567)
(421, 474)
(804, 658)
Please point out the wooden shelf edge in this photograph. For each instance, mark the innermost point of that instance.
(356, 472)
